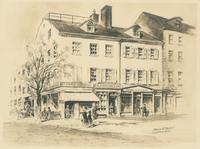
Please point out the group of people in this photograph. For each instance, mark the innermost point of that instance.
(46, 114)
(88, 116)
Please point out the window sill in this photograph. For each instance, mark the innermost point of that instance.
(94, 55)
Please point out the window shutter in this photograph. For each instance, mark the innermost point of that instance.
(144, 77)
(144, 53)
(132, 52)
(124, 51)
(156, 53)
(157, 77)
(136, 52)
(148, 53)
(148, 77)
(98, 75)
(88, 74)
(103, 75)
(123, 76)
(136, 76)
(133, 76)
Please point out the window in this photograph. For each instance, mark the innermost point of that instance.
(180, 56)
(23, 72)
(128, 75)
(93, 74)
(76, 48)
(49, 34)
(127, 51)
(15, 89)
(180, 78)
(170, 77)
(179, 40)
(23, 90)
(170, 55)
(19, 88)
(108, 75)
(49, 52)
(14, 79)
(90, 26)
(28, 89)
(170, 39)
(139, 76)
(93, 49)
(140, 52)
(108, 50)
(152, 53)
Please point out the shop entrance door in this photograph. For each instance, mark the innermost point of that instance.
(137, 101)
(69, 109)
(112, 105)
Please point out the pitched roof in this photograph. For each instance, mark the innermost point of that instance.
(68, 27)
(155, 25)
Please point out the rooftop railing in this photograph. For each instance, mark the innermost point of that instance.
(66, 17)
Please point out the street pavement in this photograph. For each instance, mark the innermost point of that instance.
(153, 131)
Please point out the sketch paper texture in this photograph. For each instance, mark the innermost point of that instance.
(99, 74)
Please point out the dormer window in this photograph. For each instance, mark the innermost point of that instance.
(137, 33)
(90, 26)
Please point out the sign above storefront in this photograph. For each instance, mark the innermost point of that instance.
(138, 89)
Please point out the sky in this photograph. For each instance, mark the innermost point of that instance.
(20, 20)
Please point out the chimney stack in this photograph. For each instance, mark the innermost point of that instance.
(106, 16)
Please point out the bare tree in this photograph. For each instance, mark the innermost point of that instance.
(40, 68)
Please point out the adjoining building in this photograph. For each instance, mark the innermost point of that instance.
(177, 38)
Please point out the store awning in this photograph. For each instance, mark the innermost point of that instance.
(86, 97)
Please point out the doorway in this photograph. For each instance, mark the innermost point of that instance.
(69, 109)
(112, 105)
(137, 101)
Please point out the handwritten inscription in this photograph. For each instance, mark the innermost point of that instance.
(162, 130)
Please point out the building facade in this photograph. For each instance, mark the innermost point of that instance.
(117, 70)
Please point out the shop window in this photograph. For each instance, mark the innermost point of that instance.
(126, 103)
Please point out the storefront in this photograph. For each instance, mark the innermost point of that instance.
(133, 98)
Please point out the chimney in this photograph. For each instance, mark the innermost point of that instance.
(106, 16)
(95, 16)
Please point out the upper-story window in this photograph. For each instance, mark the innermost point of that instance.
(170, 55)
(170, 39)
(14, 79)
(180, 78)
(93, 74)
(128, 75)
(108, 50)
(23, 72)
(49, 34)
(90, 26)
(108, 75)
(93, 49)
(140, 74)
(180, 42)
(170, 76)
(24, 90)
(19, 88)
(127, 51)
(76, 48)
(140, 53)
(180, 56)
(152, 53)
(153, 77)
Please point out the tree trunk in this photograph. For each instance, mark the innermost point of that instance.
(38, 106)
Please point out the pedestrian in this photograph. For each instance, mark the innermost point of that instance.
(90, 118)
(49, 113)
(44, 114)
(144, 111)
(67, 114)
(85, 117)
